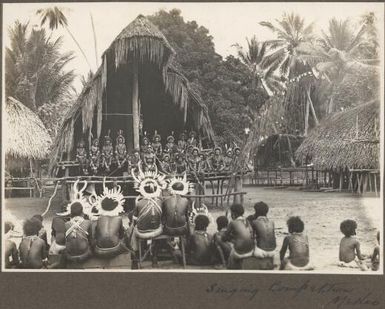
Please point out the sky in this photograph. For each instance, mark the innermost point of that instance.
(228, 23)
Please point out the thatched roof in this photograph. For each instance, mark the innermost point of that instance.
(24, 133)
(141, 41)
(347, 139)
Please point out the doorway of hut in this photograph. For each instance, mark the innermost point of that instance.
(157, 110)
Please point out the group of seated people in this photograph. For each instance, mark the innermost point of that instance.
(239, 243)
(173, 157)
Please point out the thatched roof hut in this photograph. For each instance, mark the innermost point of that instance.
(347, 139)
(137, 88)
(25, 136)
(277, 150)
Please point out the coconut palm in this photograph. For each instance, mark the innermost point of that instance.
(339, 52)
(261, 65)
(291, 33)
(55, 17)
(34, 68)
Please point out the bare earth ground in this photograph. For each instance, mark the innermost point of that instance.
(321, 212)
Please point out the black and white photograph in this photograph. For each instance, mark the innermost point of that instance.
(193, 137)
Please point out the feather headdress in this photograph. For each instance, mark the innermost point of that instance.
(110, 203)
(186, 186)
(145, 180)
(76, 196)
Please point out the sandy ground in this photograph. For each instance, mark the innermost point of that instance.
(321, 212)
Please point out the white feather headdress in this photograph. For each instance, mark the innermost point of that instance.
(187, 186)
(149, 179)
(114, 196)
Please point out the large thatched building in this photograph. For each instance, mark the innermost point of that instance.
(347, 143)
(26, 140)
(138, 88)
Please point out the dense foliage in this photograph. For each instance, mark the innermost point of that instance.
(225, 85)
(35, 73)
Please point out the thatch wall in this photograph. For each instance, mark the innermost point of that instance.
(141, 42)
(25, 135)
(347, 139)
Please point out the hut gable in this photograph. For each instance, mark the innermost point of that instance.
(143, 40)
(347, 139)
(25, 134)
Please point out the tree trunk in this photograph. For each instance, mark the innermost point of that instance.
(312, 107)
(306, 118)
(135, 104)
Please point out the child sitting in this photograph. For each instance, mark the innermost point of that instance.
(11, 254)
(264, 233)
(223, 247)
(239, 232)
(263, 228)
(298, 245)
(42, 232)
(32, 248)
(200, 243)
(350, 252)
(376, 254)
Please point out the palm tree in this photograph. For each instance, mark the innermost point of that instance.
(339, 52)
(291, 33)
(34, 68)
(261, 66)
(55, 18)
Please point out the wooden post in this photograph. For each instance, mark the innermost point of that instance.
(341, 180)
(238, 188)
(135, 103)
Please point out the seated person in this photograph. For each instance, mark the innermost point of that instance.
(239, 233)
(223, 247)
(375, 259)
(200, 247)
(42, 232)
(264, 233)
(78, 235)
(350, 252)
(32, 248)
(263, 228)
(174, 213)
(109, 230)
(298, 245)
(56, 253)
(147, 216)
(11, 255)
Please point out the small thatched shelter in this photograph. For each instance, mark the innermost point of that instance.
(25, 136)
(138, 88)
(277, 150)
(347, 141)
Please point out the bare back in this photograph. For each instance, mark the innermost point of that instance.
(32, 252)
(148, 212)
(175, 211)
(109, 231)
(77, 241)
(348, 248)
(299, 249)
(264, 232)
(59, 230)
